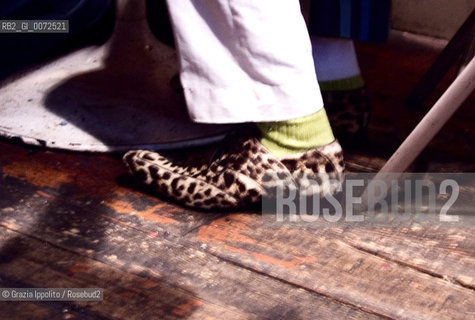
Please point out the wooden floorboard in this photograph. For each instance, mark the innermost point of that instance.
(305, 257)
(232, 292)
(90, 181)
(229, 260)
(94, 233)
(127, 295)
(446, 253)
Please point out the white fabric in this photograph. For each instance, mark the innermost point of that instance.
(335, 59)
(245, 60)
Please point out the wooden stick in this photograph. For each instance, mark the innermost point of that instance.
(431, 124)
(460, 42)
(425, 131)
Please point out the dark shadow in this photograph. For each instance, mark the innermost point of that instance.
(90, 23)
(131, 99)
(159, 21)
(42, 222)
(73, 226)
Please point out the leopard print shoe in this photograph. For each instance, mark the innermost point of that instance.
(231, 177)
(349, 113)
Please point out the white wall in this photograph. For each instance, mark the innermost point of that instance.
(437, 18)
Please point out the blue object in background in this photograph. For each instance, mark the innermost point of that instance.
(363, 20)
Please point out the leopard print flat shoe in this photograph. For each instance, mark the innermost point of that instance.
(230, 177)
(349, 113)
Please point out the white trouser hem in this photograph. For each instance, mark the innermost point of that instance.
(269, 103)
(244, 60)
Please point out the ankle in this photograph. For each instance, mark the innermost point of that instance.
(297, 135)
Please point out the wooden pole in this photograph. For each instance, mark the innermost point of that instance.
(431, 124)
(425, 131)
(460, 42)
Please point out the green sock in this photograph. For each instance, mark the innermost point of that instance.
(297, 135)
(351, 83)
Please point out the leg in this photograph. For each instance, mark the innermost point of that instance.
(342, 85)
(244, 61)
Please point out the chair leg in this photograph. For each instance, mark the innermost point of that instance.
(433, 121)
(467, 56)
(424, 132)
(460, 42)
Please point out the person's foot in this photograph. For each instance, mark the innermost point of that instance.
(342, 86)
(234, 176)
(349, 112)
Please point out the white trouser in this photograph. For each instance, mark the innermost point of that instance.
(245, 60)
(336, 58)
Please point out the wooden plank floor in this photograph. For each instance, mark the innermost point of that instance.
(77, 220)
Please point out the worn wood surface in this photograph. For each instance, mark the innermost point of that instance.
(77, 220)
(46, 209)
(66, 223)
